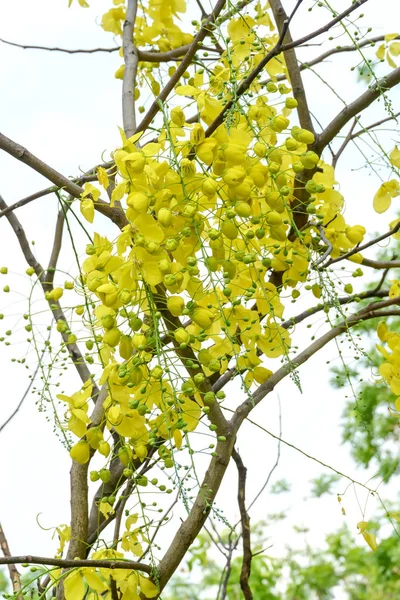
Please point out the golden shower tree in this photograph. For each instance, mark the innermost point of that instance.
(226, 217)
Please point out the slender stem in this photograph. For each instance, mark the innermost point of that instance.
(12, 569)
(357, 106)
(62, 562)
(116, 215)
(131, 58)
(245, 522)
(293, 67)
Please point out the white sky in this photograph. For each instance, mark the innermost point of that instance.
(66, 109)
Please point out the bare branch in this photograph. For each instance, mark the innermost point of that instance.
(276, 463)
(116, 215)
(380, 264)
(223, 586)
(346, 141)
(55, 252)
(45, 192)
(12, 569)
(374, 125)
(245, 522)
(328, 250)
(131, 58)
(33, 377)
(340, 49)
(143, 55)
(293, 67)
(56, 49)
(352, 136)
(357, 106)
(61, 562)
(303, 66)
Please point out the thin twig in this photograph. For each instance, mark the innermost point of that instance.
(223, 586)
(131, 58)
(355, 107)
(33, 377)
(12, 569)
(245, 522)
(293, 67)
(276, 463)
(116, 215)
(57, 243)
(328, 250)
(347, 139)
(144, 55)
(373, 125)
(56, 49)
(361, 247)
(61, 562)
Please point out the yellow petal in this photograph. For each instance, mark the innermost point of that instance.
(80, 452)
(74, 586)
(394, 157)
(380, 53)
(370, 539)
(390, 36)
(149, 589)
(178, 438)
(87, 209)
(382, 200)
(395, 48)
(94, 581)
(187, 90)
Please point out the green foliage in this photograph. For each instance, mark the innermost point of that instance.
(342, 569)
(322, 485)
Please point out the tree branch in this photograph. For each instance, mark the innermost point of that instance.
(358, 105)
(340, 49)
(33, 377)
(375, 293)
(346, 141)
(131, 58)
(56, 49)
(143, 55)
(61, 562)
(116, 214)
(201, 508)
(12, 569)
(293, 67)
(245, 522)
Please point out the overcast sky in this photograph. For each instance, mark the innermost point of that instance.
(66, 110)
